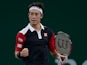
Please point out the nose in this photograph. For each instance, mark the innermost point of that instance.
(34, 16)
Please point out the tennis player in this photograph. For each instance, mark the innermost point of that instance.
(35, 41)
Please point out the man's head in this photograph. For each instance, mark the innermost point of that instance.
(35, 12)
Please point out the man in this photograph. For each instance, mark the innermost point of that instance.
(34, 42)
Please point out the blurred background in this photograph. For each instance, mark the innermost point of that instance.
(69, 16)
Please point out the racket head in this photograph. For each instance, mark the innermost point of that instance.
(63, 43)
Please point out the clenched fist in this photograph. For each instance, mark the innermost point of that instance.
(24, 52)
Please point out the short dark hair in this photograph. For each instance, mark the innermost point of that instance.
(37, 4)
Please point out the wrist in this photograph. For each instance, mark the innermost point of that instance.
(54, 53)
(18, 55)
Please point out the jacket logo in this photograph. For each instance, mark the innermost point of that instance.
(45, 34)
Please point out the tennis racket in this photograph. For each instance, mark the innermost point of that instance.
(63, 44)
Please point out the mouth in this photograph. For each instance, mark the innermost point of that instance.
(34, 20)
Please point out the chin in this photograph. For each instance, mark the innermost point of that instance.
(34, 23)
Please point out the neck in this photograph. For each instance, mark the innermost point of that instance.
(37, 27)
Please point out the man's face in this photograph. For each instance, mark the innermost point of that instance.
(35, 17)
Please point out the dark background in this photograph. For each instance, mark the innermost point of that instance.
(69, 16)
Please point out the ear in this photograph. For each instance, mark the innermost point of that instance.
(41, 16)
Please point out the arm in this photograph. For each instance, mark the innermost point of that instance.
(52, 46)
(20, 39)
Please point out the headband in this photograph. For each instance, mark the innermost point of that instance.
(36, 8)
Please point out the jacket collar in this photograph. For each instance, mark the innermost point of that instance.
(32, 29)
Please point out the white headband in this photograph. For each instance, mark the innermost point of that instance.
(36, 8)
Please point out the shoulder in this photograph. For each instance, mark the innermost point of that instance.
(48, 30)
(24, 30)
(21, 34)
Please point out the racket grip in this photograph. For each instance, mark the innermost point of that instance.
(62, 61)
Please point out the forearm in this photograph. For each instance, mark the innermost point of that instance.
(54, 53)
(20, 39)
(17, 55)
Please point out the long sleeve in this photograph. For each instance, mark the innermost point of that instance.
(20, 39)
(52, 46)
(52, 43)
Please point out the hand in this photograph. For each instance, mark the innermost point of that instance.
(62, 58)
(24, 52)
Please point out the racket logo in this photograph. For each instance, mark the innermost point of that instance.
(62, 44)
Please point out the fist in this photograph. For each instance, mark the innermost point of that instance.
(24, 52)
(62, 58)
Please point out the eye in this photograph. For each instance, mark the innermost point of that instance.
(36, 14)
(31, 13)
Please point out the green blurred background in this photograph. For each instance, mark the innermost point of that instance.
(69, 16)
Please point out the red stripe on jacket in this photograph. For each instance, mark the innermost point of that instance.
(52, 43)
(20, 39)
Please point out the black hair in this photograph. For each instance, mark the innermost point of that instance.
(37, 4)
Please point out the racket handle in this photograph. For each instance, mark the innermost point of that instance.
(62, 61)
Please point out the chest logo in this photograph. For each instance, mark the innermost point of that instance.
(45, 34)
